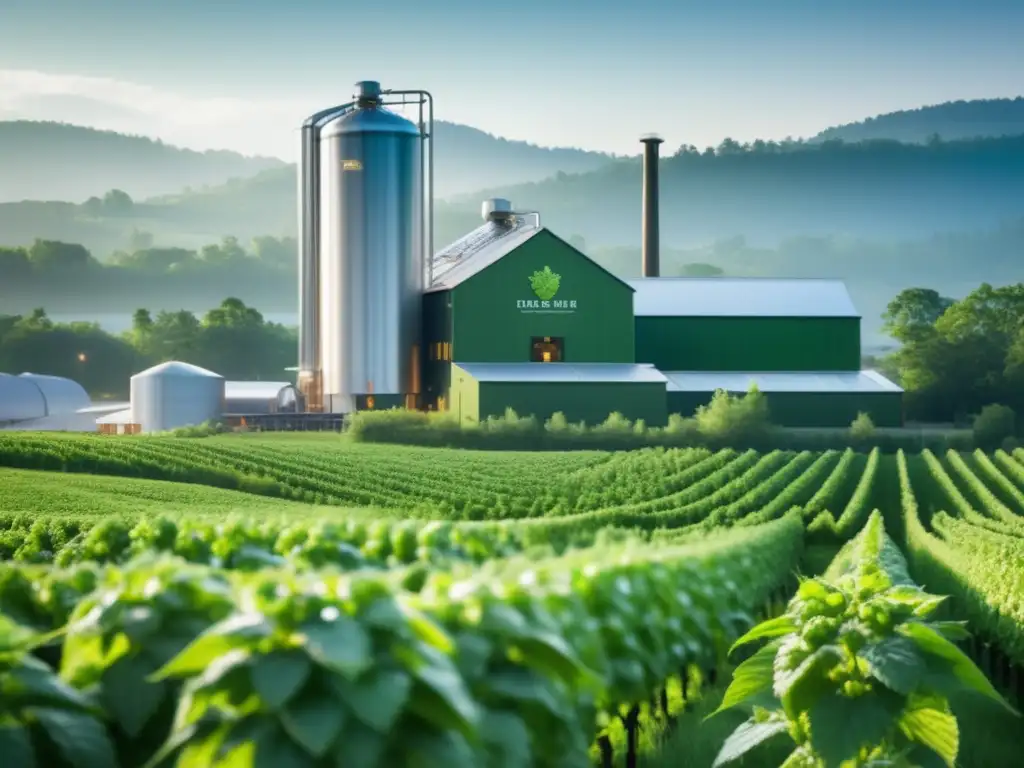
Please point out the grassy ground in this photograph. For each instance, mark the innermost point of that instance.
(55, 493)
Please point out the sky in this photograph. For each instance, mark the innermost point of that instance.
(242, 74)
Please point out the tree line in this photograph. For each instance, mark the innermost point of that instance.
(957, 357)
(232, 339)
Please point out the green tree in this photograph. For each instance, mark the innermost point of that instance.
(55, 257)
(914, 312)
(228, 251)
(14, 265)
(117, 203)
(993, 425)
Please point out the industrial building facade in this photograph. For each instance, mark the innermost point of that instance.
(512, 316)
(517, 318)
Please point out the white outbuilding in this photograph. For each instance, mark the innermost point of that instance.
(175, 394)
(35, 396)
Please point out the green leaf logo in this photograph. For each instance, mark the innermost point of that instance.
(545, 283)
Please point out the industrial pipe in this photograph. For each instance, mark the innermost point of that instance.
(650, 236)
(425, 98)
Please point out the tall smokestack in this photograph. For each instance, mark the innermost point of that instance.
(650, 236)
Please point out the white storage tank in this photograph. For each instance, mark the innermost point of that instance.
(173, 394)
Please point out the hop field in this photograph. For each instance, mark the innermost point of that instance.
(304, 600)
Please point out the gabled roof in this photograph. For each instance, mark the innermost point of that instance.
(741, 297)
(473, 253)
(485, 245)
(739, 382)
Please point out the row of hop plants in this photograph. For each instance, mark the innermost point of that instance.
(729, 420)
(162, 663)
(858, 671)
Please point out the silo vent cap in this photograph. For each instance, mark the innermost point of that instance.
(496, 209)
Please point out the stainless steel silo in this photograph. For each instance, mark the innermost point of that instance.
(371, 256)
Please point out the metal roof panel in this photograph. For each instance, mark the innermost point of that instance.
(564, 372)
(837, 382)
(741, 297)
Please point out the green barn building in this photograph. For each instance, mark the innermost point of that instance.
(516, 317)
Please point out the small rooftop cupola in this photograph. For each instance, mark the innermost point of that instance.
(498, 210)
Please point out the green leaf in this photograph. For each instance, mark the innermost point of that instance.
(427, 631)
(928, 607)
(279, 675)
(951, 630)
(430, 748)
(896, 662)
(314, 722)
(359, 747)
(747, 736)
(440, 696)
(931, 642)
(377, 698)
(16, 747)
(128, 696)
(507, 739)
(840, 726)
(521, 687)
(139, 623)
(80, 738)
(800, 688)
(342, 645)
(36, 684)
(550, 653)
(782, 625)
(234, 632)
(274, 749)
(801, 758)
(242, 734)
(752, 677)
(934, 729)
(180, 738)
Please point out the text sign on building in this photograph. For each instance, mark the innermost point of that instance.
(545, 285)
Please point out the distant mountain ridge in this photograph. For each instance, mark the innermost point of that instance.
(952, 120)
(58, 161)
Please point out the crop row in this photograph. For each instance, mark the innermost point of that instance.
(465, 486)
(963, 556)
(517, 666)
(858, 669)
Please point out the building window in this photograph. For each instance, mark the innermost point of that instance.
(547, 349)
(440, 350)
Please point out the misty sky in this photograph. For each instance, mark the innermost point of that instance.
(242, 74)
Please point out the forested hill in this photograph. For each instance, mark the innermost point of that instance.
(53, 161)
(880, 191)
(952, 120)
(765, 191)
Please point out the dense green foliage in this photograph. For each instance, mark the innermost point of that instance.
(517, 665)
(508, 608)
(233, 340)
(958, 357)
(737, 421)
(55, 161)
(951, 120)
(858, 670)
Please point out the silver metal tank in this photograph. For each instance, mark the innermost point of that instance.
(175, 394)
(371, 260)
